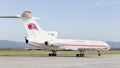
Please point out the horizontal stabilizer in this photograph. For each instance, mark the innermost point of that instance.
(17, 16)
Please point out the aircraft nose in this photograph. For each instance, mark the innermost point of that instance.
(108, 47)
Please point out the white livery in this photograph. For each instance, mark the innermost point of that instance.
(48, 40)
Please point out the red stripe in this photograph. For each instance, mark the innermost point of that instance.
(35, 42)
(105, 47)
(84, 45)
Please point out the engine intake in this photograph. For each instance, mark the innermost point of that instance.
(52, 44)
(26, 40)
(46, 43)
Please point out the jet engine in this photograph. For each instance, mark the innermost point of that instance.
(26, 40)
(48, 43)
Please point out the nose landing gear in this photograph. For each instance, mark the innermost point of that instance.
(99, 52)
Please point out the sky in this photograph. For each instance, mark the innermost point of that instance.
(72, 19)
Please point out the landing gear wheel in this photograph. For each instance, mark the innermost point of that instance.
(77, 55)
(53, 53)
(50, 54)
(99, 53)
(81, 54)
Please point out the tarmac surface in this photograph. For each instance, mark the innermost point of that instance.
(104, 61)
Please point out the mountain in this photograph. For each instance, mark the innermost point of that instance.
(22, 45)
(13, 44)
(114, 45)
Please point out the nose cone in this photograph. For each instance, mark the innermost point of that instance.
(107, 46)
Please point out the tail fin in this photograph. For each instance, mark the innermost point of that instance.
(31, 26)
(30, 23)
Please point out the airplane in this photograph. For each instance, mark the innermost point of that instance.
(47, 40)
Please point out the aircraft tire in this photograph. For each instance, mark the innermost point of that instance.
(55, 54)
(77, 55)
(82, 55)
(99, 54)
(50, 54)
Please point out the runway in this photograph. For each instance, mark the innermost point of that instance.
(105, 61)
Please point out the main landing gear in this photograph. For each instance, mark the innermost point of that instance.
(81, 54)
(53, 53)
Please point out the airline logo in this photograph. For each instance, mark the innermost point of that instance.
(32, 26)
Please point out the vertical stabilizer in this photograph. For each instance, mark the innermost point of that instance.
(30, 23)
(33, 29)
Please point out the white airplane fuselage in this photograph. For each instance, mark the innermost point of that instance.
(69, 44)
(48, 40)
